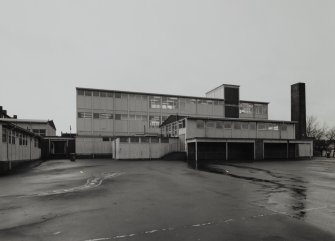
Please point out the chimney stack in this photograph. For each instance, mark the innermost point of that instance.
(298, 109)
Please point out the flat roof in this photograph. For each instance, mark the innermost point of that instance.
(29, 121)
(228, 85)
(172, 119)
(167, 95)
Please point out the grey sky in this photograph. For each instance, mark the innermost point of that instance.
(47, 48)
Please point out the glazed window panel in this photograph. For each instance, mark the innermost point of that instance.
(124, 116)
(118, 95)
(200, 124)
(154, 121)
(210, 124)
(124, 139)
(81, 92)
(219, 125)
(262, 127)
(155, 102)
(252, 126)
(227, 125)
(169, 103)
(284, 127)
(245, 126)
(88, 93)
(96, 93)
(144, 139)
(246, 108)
(134, 139)
(237, 126)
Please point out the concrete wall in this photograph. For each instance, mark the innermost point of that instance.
(17, 152)
(93, 145)
(147, 150)
(210, 130)
(128, 105)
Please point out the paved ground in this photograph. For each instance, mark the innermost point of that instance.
(164, 200)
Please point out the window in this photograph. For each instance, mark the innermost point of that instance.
(118, 95)
(88, 93)
(200, 124)
(155, 102)
(96, 115)
(105, 139)
(124, 116)
(262, 127)
(219, 125)
(117, 116)
(252, 126)
(124, 96)
(144, 139)
(124, 139)
(4, 135)
(210, 124)
(245, 126)
(41, 132)
(154, 121)
(110, 94)
(134, 139)
(164, 140)
(181, 124)
(132, 117)
(227, 125)
(284, 127)
(103, 94)
(81, 92)
(106, 116)
(170, 103)
(96, 93)
(154, 140)
(85, 115)
(237, 126)
(261, 109)
(246, 108)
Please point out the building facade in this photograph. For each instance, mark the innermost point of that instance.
(103, 115)
(17, 145)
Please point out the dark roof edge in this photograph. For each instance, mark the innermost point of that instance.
(21, 129)
(230, 119)
(170, 95)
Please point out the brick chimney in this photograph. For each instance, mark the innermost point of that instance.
(298, 109)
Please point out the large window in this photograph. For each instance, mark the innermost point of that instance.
(85, 115)
(41, 132)
(154, 121)
(155, 102)
(170, 103)
(4, 135)
(261, 109)
(227, 125)
(200, 124)
(246, 108)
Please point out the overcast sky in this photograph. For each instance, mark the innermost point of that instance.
(47, 48)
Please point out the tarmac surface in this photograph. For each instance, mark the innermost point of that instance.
(100, 200)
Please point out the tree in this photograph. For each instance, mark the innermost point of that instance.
(331, 137)
(314, 129)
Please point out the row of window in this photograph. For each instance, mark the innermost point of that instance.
(171, 103)
(240, 125)
(143, 140)
(13, 135)
(41, 132)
